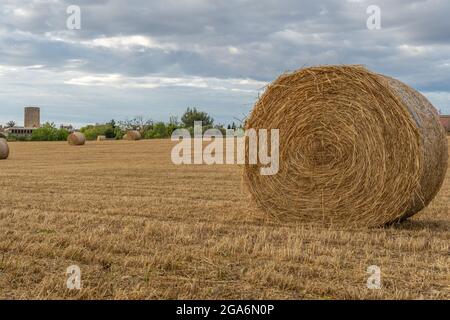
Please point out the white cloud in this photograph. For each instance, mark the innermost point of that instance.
(233, 50)
(130, 43)
(157, 81)
(21, 12)
(414, 50)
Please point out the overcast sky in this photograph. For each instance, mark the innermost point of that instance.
(157, 57)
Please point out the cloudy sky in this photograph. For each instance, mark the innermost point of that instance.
(157, 57)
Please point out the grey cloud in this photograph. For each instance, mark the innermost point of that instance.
(227, 39)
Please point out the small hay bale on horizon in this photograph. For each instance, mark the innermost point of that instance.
(101, 138)
(132, 135)
(4, 149)
(356, 148)
(76, 139)
(445, 121)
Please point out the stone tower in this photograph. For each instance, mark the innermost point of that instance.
(32, 117)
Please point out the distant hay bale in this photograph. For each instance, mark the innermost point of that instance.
(356, 148)
(101, 138)
(445, 121)
(132, 135)
(4, 149)
(76, 139)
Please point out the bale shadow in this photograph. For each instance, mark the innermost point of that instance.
(419, 225)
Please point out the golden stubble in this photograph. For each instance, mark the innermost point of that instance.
(140, 227)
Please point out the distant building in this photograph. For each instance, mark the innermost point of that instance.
(32, 117)
(19, 131)
(69, 127)
(32, 121)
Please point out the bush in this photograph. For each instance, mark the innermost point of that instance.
(118, 133)
(159, 131)
(109, 130)
(192, 115)
(91, 132)
(14, 137)
(171, 127)
(48, 132)
(109, 133)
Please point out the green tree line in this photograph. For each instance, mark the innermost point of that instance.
(150, 129)
(117, 129)
(47, 132)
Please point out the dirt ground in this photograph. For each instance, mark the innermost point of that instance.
(140, 227)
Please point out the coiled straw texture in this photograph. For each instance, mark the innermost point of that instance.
(356, 148)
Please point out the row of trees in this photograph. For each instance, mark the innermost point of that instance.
(47, 132)
(150, 129)
(117, 129)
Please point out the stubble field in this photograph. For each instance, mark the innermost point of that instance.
(140, 227)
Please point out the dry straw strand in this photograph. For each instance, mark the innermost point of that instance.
(356, 148)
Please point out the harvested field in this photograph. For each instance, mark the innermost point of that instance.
(140, 227)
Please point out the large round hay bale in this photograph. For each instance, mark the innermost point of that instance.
(132, 135)
(76, 139)
(4, 149)
(356, 148)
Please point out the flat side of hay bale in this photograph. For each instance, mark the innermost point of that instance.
(76, 139)
(4, 149)
(445, 121)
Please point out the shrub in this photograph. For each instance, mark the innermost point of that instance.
(93, 131)
(48, 132)
(192, 115)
